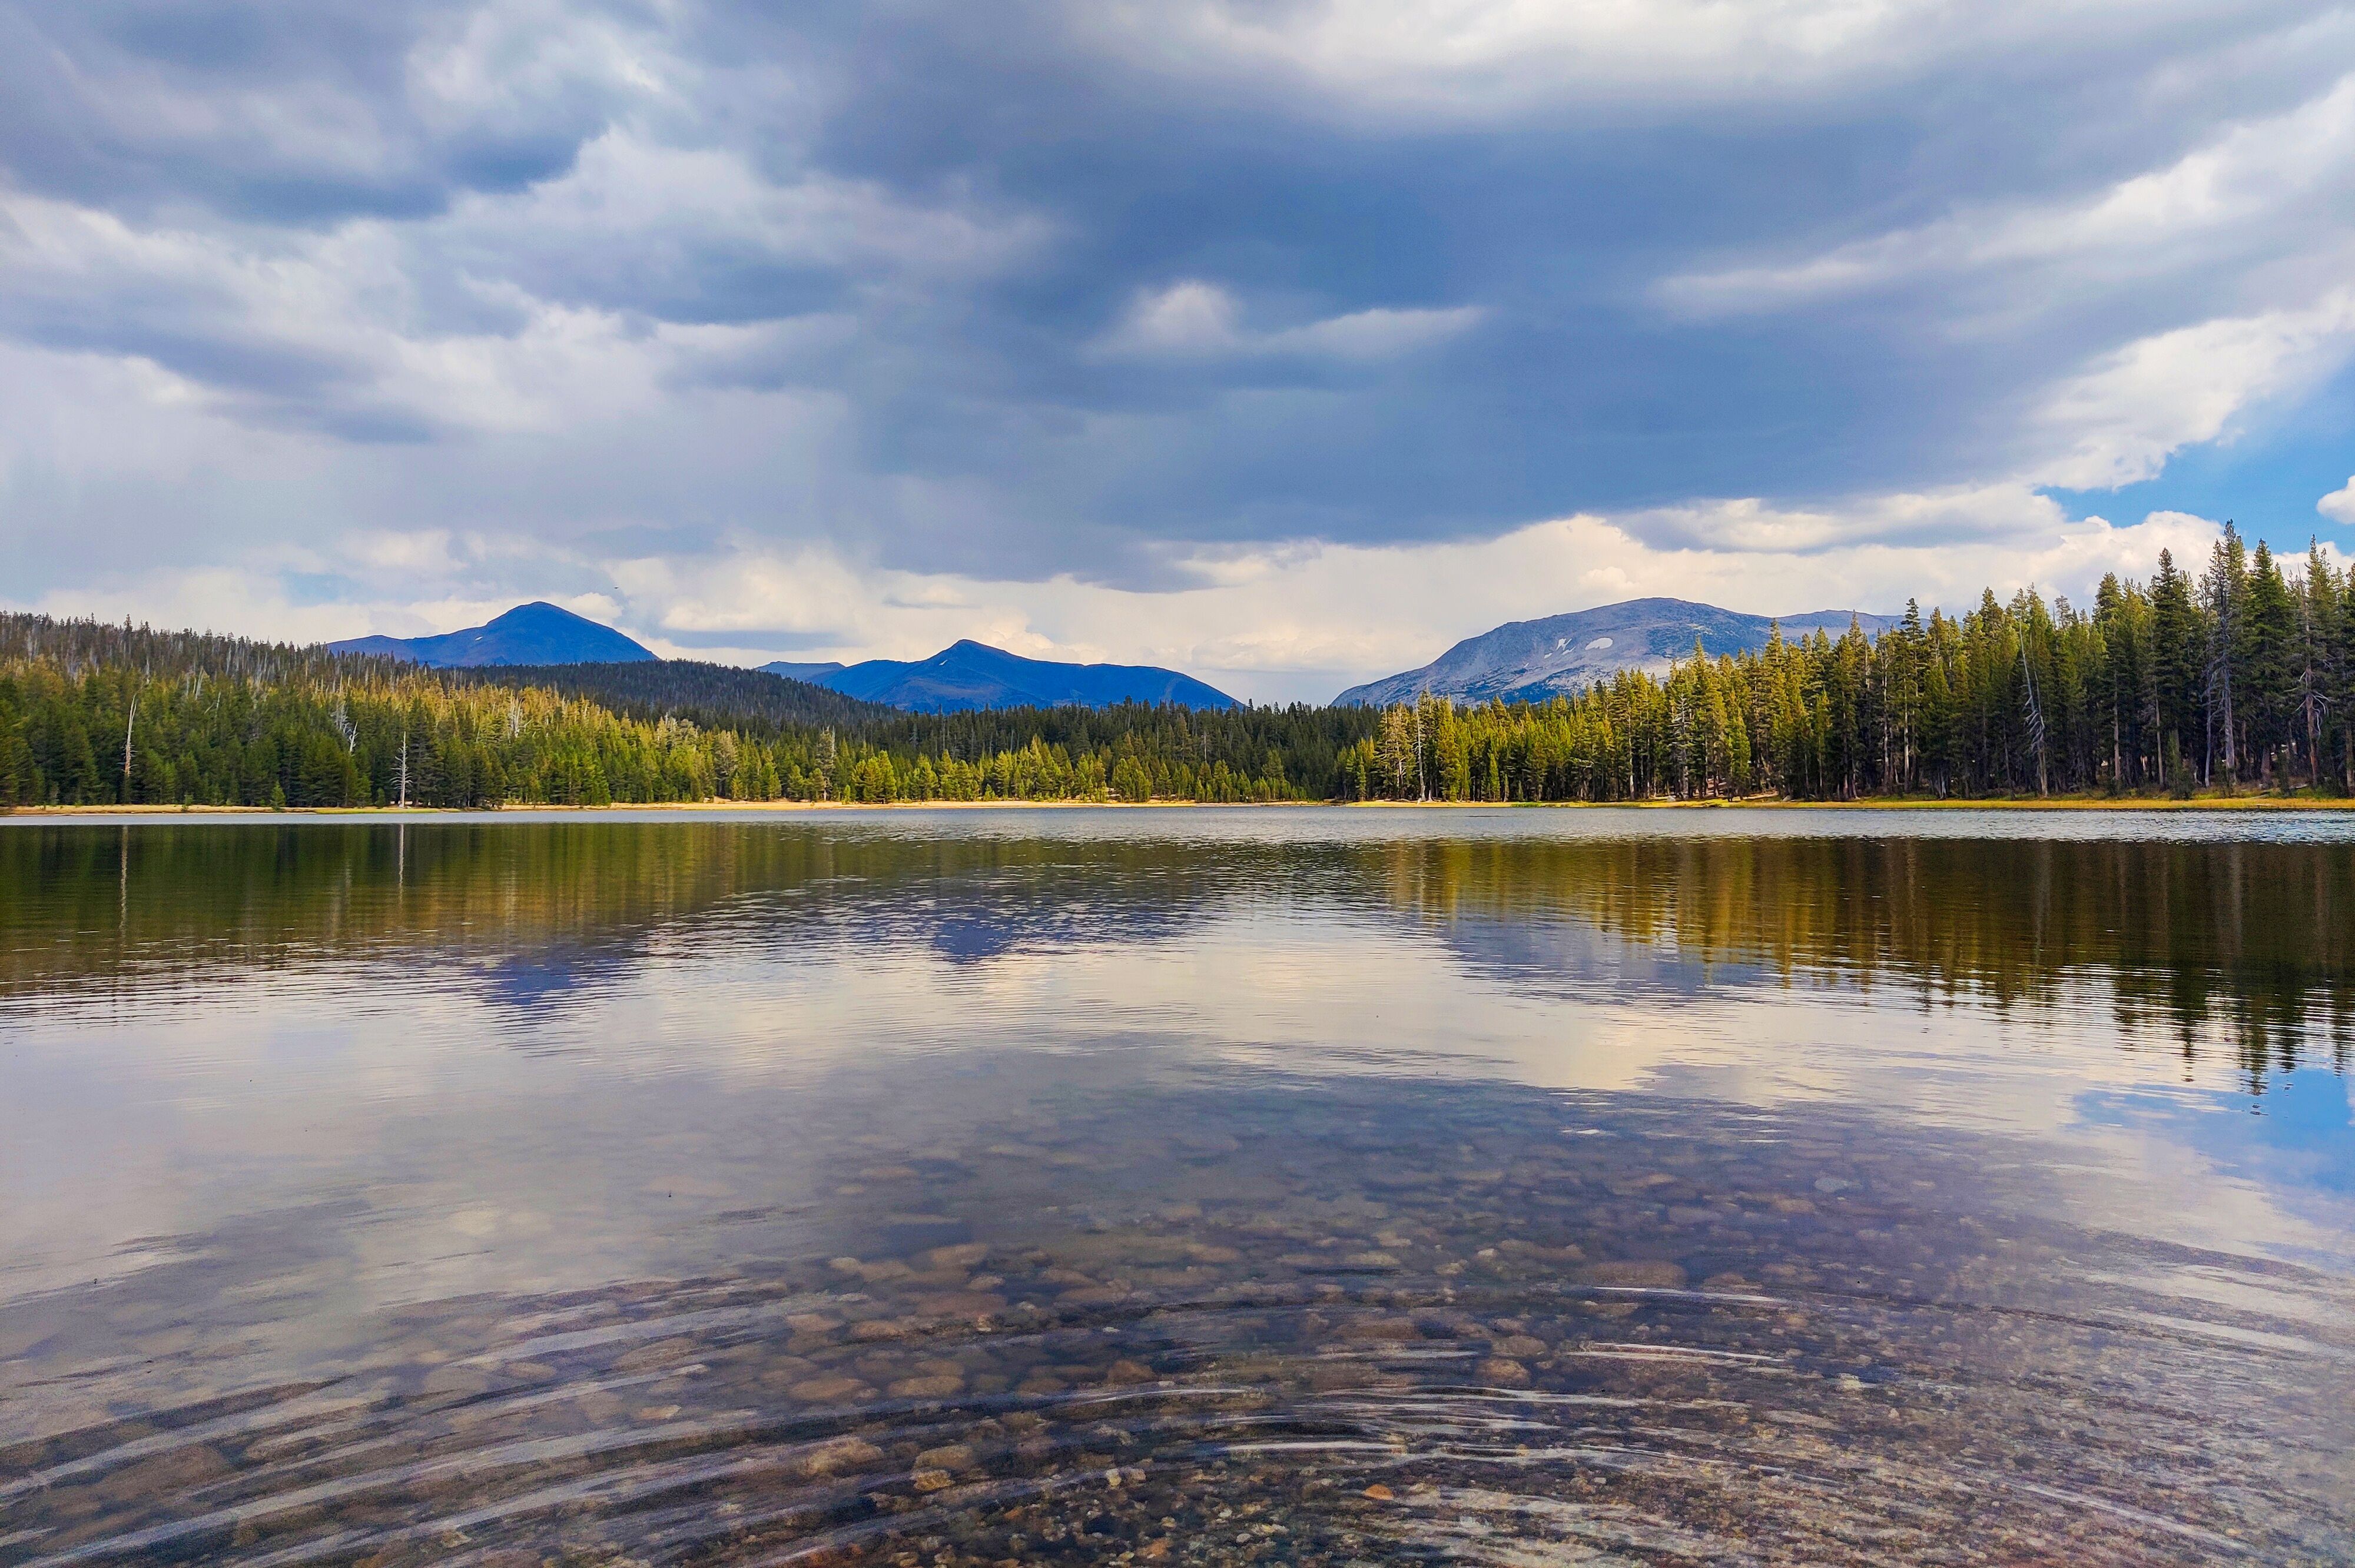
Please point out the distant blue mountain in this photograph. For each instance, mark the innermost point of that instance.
(967, 675)
(533, 633)
(810, 672)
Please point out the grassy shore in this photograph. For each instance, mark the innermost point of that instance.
(2204, 803)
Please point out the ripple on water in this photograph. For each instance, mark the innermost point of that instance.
(1682, 1343)
(1146, 1188)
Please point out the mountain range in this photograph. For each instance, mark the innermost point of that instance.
(1530, 661)
(961, 677)
(535, 633)
(1523, 660)
(967, 675)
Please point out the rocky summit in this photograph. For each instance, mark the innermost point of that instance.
(1530, 661)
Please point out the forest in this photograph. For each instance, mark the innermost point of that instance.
(2239, 679)
(92, 714)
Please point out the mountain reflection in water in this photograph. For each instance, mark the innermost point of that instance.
(1205, 1187)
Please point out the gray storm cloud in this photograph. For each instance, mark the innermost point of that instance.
(1109, 295)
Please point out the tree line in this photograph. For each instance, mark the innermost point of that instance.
(92, 714)
(2241, 678)
(716, 696)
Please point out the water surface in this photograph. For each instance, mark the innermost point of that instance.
(1179, 1186)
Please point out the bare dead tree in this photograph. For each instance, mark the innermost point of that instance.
(2035, 713)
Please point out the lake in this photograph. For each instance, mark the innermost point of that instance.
(1179, 1186)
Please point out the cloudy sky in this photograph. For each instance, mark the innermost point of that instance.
(1282, 341)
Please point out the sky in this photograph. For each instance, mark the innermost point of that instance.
(1279, 342)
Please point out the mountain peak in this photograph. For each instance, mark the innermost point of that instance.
(534, 633)
(968, 674)
(1532, 661)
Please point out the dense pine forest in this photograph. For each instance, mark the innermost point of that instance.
(716, 696)
(99, 715)
(2241, 678)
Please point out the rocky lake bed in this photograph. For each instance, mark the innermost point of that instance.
(705, 1216)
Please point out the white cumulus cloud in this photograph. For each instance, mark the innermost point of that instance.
(1268, 622)
(2339, 504)
(2125, 415)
